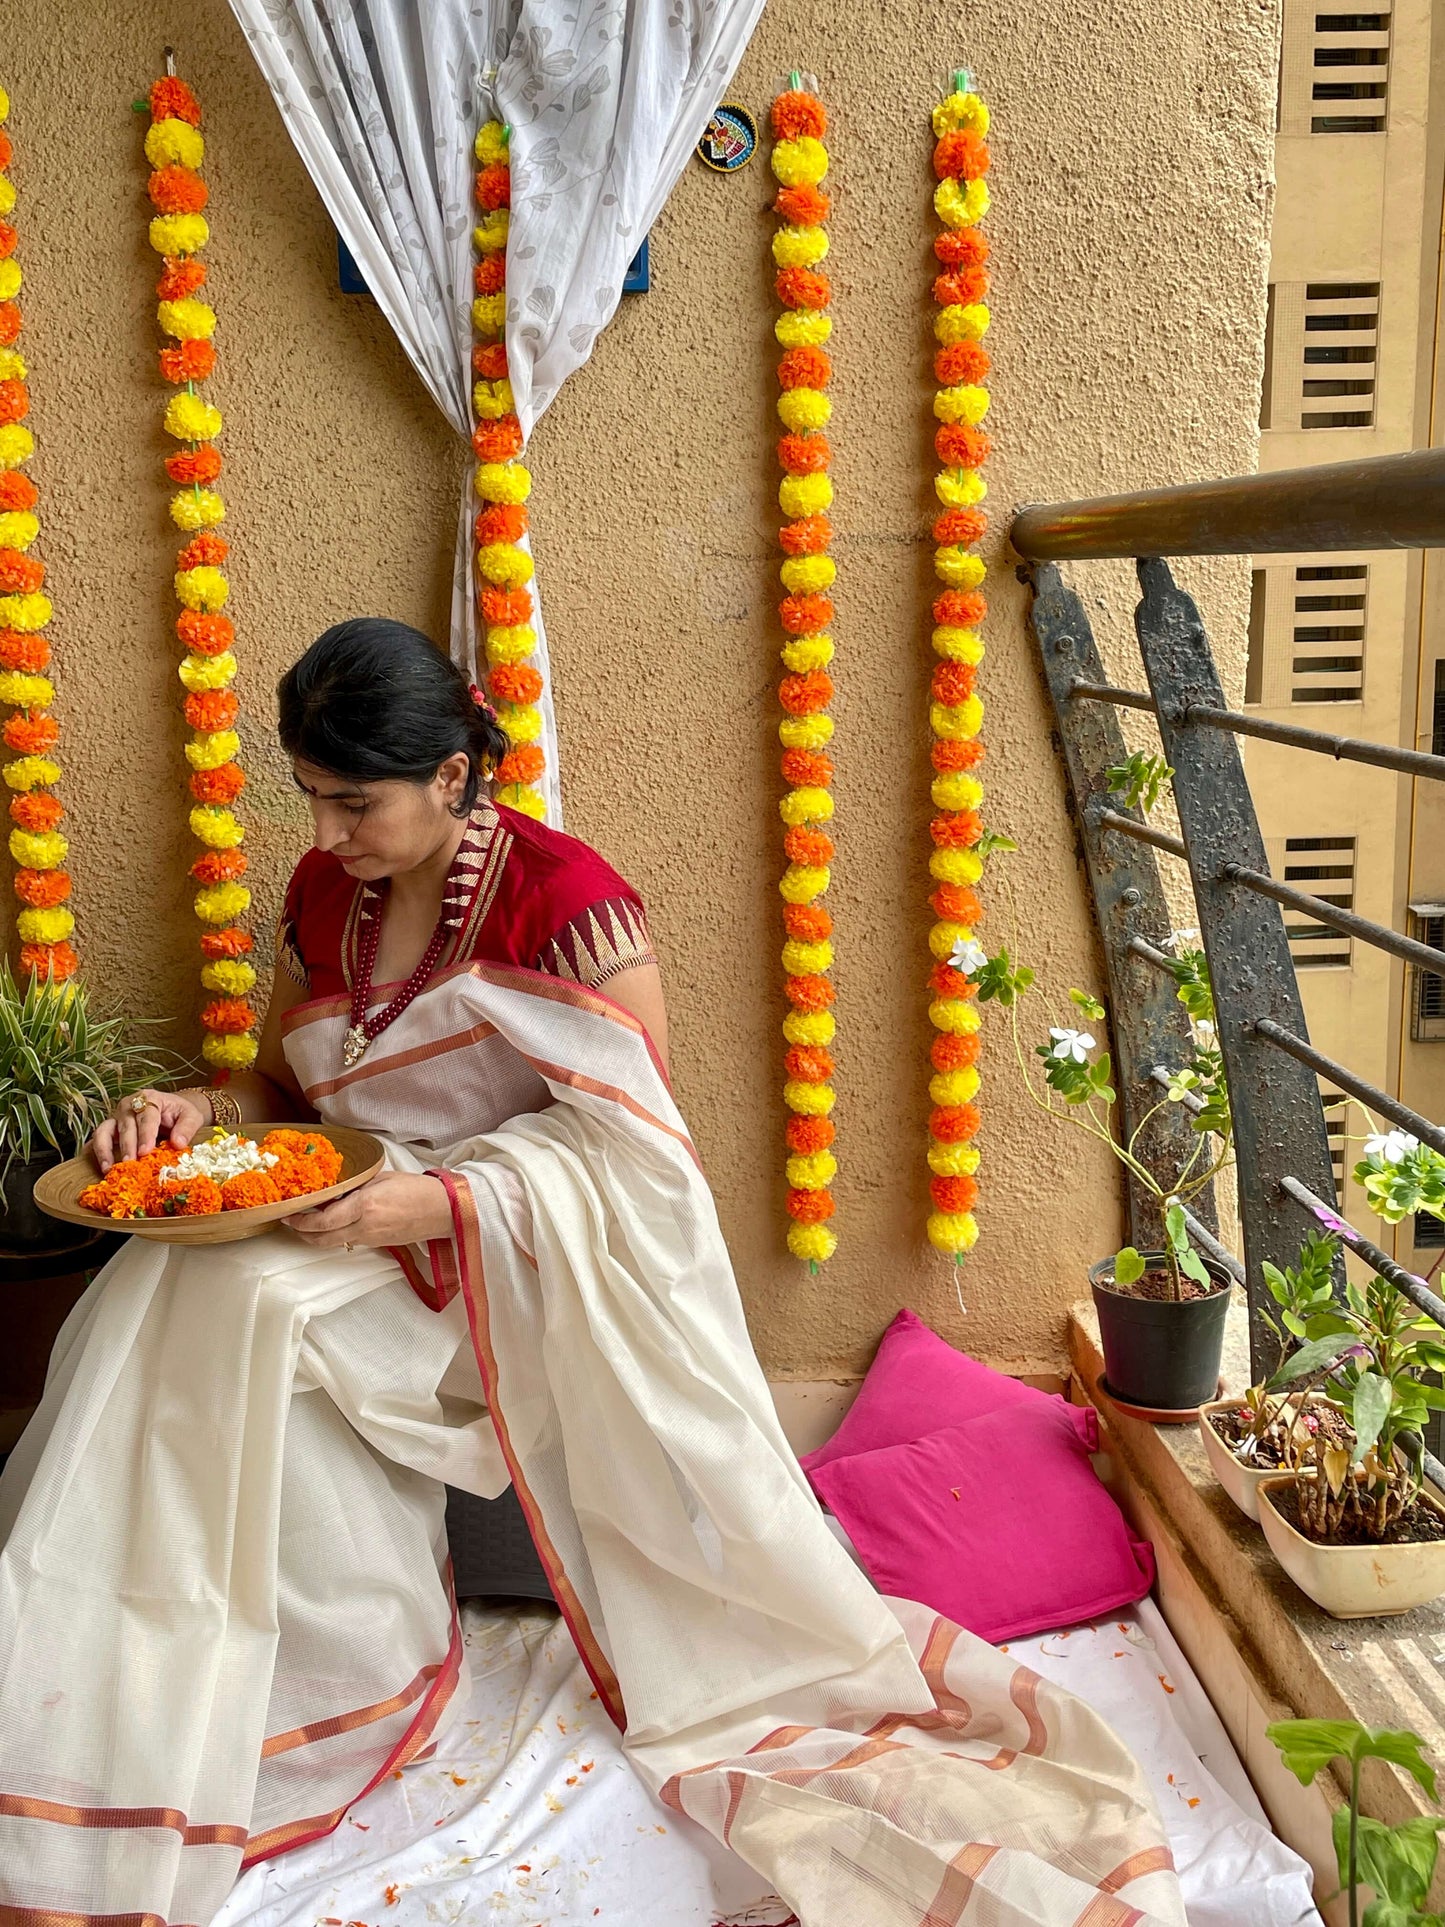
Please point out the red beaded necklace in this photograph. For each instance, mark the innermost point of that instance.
(461, 881)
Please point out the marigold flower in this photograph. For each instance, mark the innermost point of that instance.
(25, 612)
(17, 491)
(521, 765)
(960, 287)
(807, 1136)
(220, 866)
(37, 815)
(501, 480)
(172, 99)
(18, 529)
(801, 615)
(807, 767)
(804, 454)
(961, 155)
(492, 143)
(9, 323)
(953, 1194)
(952, 682)
(235, 979)
(812, 1173)
(31, 735)
(205, 634)
(502, 522)
(953, 1052)
(42, 889)
(805, 368)
(210, 750)
(955, 903)
(809, 848)
(797, 113)
(809, 536)
(807, 923)
(959, 446)
(803, 206)
(802, 328)
(180, 279)
(494, 186)
(20, 574)
(179, 233)
(211, 709)
(952, 1123)
(226, 943)
(190, 360)
(960, 831)
(799, 247)
(230, 1053)
(960, 526)
(498, 441)
(44, 926)
(17, 445)
(808, 574)
(504, 562)
(959, 204)
(810, 1207)
(204, 551)
(963, 607)
(174, 143)
(490, 233)
(6, 150)
(250, 1188)
(806, 806)
(57, 961)
(804, 409)
(958, 568)
(177, 190)
(808, 990)
(489, 360)
(961, 361)
(222, 903)
(14, 401)
(800, 162)
(202, 589)
(813, 690)
(230, 1014)
(506, 608)
(946, 982)
(515, 682)
(194, 464)
(803, 288)
(218, 786)
(38, 849)
(28, 655)
(803, 495)
(190, 419)
(11, 274)
(197, 1197)
(489, 276)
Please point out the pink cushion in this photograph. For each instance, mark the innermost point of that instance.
(916, 1383)
(999, 1524)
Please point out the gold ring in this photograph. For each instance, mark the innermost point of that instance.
(139, 1103)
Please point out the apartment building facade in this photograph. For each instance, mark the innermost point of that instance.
(1356, 644)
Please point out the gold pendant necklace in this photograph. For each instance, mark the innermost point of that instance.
(353, 1046)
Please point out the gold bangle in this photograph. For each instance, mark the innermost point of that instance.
(225, 1109)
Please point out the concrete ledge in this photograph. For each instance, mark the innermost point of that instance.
(1262, 1650)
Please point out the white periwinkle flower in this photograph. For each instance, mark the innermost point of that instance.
(968, 955)
(1393, 1148)
(1075, 1044)
(1182, 936)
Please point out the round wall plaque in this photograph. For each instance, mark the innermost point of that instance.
(730, 139)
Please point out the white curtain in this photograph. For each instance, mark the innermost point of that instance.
(605, 99)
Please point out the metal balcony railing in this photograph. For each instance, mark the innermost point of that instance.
(1285, 1178)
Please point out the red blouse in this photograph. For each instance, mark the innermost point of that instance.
(535, 898)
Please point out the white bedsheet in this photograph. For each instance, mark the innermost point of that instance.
(529, 1816)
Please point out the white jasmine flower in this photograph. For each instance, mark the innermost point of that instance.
(221, 1158)
(968, 955)
(1075, 1044)
(1391, 1148)
(1204, 1030)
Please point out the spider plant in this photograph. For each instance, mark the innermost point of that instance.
(63, 1067)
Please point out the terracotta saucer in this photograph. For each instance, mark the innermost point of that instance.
(1153, 1414)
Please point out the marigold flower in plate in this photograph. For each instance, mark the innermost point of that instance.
(198, 1197)
(247, 1190)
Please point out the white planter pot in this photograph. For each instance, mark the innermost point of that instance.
(1355, 1582)
(1241, 1482)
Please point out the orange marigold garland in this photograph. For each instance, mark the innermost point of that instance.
(960, 161)
(175, 149)
(800, 162)
(45, 921)
(504, 565)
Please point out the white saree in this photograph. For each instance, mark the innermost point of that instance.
(223, 1593)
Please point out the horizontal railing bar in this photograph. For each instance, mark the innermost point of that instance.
(1151, 954)
(1348, 749)
(1161, 1076)
(1207, 1242)
(1368, 1094)
(1081, 690)
(1405, 1282)
(1141, 832)
(1386, 502)
(1346, 921)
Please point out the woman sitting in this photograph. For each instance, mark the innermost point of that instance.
(224, 1593)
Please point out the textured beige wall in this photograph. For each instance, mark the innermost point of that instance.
(1131, 188)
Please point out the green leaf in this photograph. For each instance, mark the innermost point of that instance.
(1371, 1407)
(1308, 1745)
(1175, 1228)
(1311, 1358)
(1193, 1266)
(1398, 1862)
(1128, 1266)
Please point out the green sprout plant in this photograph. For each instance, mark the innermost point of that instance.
(1139, 780)
(1303, 1293)
(63, 1067)
(1078, 1089)
(1398, 1862)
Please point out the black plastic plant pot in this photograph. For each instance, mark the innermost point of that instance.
(1160, 1354)
(23, 1225)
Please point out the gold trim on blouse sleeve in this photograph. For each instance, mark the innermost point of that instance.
(602, 941)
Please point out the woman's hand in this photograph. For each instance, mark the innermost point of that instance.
(396, 1208)
(177, 1115)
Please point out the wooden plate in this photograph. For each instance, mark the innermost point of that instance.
(58, 1191)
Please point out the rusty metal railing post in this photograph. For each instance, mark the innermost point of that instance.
(1149, 1025)
(1279, 1122)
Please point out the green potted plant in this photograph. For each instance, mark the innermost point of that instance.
(63, 1067)
(1397, 1863)
(1161, 1312)
(1253, 1438)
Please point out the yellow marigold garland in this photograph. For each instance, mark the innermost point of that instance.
(175, 149)
(960, 160)
(504, 567)
(45, 922)
(800, 162)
